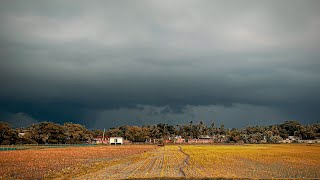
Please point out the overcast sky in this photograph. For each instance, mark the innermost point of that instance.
(110, 63)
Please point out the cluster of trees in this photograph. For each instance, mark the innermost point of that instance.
(252, 134)
(69, 133)
(275, 133)
(46, 133)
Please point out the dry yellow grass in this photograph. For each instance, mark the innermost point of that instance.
(162, 162)
(217, 161)
(254, 161)
(173, 161)
(55, 162)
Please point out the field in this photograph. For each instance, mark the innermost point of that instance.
(43, 162)
(255, 161)
(171, 161)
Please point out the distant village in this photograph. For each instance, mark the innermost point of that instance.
(201, 140)
(199, 133)
(287, 132)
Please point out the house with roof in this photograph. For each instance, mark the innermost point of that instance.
(201, 140)
(116, 140)
(100, 140)
(179, 140)
(292, 139)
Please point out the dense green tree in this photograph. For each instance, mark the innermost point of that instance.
(288, 128)
(137, 134)
(96, 132)
(234, 135)
(222, 130)
(275, 139)
(7, 134)
(115, 132)
(76, 133)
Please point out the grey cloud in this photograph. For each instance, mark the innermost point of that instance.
(18, 120)
(236, 115)
(103, 55)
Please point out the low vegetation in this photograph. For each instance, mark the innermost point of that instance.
(217, 161)
(254, 161)
(170, 161)
(166, 161)
(44, 162)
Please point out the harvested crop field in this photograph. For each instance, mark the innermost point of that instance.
(217, 161)
(162, 162)
(255, 161)
(168, 162)
(55, 162)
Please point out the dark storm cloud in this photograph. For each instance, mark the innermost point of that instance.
(78, 60)
(18, 119)
(229, 116)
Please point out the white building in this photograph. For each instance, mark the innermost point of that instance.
(20, 135)
(310, 141)
(292, 139)
(116, 140)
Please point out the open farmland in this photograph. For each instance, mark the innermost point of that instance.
(171, 161)
(254, 161)
(43, 162)
(217, 161)
(166, 161)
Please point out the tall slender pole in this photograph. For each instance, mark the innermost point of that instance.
(104, 130)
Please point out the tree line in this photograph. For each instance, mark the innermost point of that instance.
(70, 133)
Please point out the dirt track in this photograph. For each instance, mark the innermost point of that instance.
(167, 161)
(214, 162)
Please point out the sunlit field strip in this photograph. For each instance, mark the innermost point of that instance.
(254, 161)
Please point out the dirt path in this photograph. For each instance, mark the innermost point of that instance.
(185, 161)
(167, 161)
